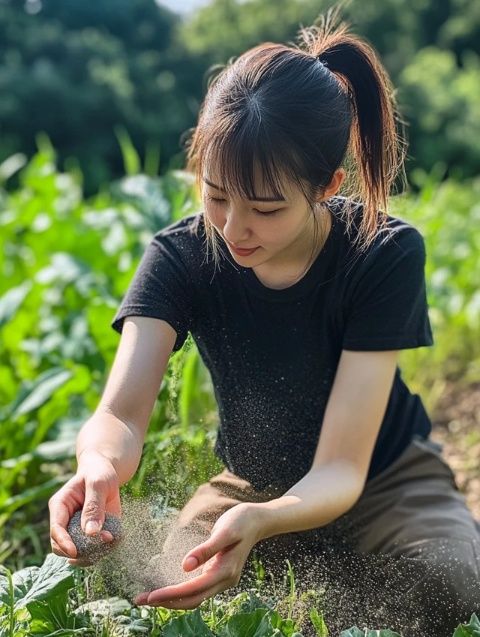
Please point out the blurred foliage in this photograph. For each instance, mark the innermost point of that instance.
(443, 105)
(78, 71)
(397, 29)
(66, 262)
(65, 265)
(430, 49)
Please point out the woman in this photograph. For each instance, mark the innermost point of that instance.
(300, 316)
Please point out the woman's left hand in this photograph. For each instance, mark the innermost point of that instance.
(223, 557)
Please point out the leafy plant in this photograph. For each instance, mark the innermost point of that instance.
(36, 598)
(472, 629)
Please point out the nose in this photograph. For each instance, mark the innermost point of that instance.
(236, 228)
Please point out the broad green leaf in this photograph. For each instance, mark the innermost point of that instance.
(112, 606)
(53, 617)
(256, 624)
(472, 629)
(36, 583)
(7, 593)
(352, 632)
(188, 625)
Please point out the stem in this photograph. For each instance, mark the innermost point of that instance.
(212, 614)
(291, 578)
(11, 605)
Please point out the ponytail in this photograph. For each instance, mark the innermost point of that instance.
(299, 113)
(377, 148)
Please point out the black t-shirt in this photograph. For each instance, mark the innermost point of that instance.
(273, 353)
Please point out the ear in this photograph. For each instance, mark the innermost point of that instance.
(334, 184)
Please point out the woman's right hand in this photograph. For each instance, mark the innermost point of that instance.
(94, 490)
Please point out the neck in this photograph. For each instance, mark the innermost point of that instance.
(306, 249)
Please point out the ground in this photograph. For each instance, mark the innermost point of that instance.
(456, 425)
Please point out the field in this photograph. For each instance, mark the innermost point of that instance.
(66, 263)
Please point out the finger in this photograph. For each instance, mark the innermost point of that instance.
(57, 550)
(141, 598)
(81, 562)
(203, 552)
(114, 505)
(194, 586)
(74, 562)
(106, 536)
(187, 603)
(62, 540)
(59, 517)
(93, 513)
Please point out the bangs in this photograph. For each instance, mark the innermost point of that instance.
(244, 159)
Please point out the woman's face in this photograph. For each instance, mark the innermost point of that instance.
(277, 230)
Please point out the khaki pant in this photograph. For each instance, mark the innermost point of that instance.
(407, 553)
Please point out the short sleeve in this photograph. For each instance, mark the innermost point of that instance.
(388, 306)
(161, 288)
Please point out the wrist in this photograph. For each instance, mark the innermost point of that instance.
(263, 519)
(89, 455)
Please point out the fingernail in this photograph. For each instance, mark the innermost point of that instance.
(141, 598)
(191, 562)
(92, 527)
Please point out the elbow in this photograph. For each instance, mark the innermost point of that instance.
(346, 478)
(355, 480)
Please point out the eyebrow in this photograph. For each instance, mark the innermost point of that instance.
(258, 198)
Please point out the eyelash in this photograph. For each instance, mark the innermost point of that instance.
(260, 212)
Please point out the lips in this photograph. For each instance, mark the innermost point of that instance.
(242, 251)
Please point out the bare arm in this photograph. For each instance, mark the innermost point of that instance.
(118, 426)
(352, 420)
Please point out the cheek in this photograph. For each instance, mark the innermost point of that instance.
(281, 229)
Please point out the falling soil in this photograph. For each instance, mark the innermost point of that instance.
(375, 591)
(139, 562)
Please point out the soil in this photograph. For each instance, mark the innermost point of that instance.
(93, 547)
(456, 425)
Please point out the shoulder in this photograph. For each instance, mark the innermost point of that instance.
(184, 238)
(189, 228)
(396, 237)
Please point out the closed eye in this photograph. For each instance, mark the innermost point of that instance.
(260, 212)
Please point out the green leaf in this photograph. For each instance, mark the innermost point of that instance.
(12, 300)
(259, 623)
(35, 583)
(42, 491)
(188, 625)
(41, 390)
(131, 159)
(472, 629)
(352, 632)
(318, 623)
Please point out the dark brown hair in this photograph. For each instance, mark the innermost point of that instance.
(299, 112)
